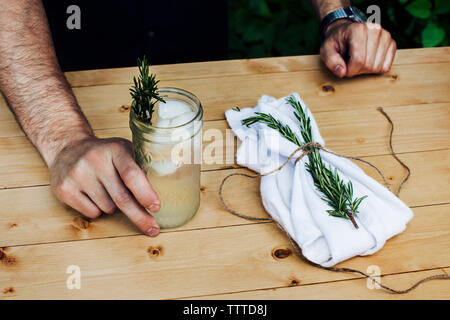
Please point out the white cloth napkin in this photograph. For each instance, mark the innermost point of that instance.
(290, 197)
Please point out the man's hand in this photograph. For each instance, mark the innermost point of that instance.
(351, 48)
(89, 174)
(100, 175)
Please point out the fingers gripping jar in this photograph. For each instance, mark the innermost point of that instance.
(169, 152)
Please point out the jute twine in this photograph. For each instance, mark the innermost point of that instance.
(305, 150)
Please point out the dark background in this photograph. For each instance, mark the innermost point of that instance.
(115, 32)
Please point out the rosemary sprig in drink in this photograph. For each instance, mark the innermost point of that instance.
(144, 92)
(337, 194)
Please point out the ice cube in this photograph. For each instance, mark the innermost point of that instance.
(161, 141)
(172, 108)
(182, 118)
(163, 123)
(164, 167)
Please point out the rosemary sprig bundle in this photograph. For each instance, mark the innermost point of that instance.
(337, 194)
(144, 92)
(273, 123)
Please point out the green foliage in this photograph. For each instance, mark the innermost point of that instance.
(432, 35)
(425, 24)
(262, 28)
(419, 8)
(441, 6)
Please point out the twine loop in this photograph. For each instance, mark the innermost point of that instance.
(306, 149)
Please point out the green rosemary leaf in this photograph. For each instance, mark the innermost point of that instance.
(350, 190)
(337, 194)
(271, 122)
(336, 214)
(144, 93)
(358, 201)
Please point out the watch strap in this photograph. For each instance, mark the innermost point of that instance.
(351, 13)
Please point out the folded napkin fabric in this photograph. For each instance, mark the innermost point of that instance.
(291, 198)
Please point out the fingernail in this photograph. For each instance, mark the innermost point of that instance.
(154, 207)
(338, 70)
(153, 232)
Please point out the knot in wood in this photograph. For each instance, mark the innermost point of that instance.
(328, 88)
(281, 253)
(124, 108)
(154, 252)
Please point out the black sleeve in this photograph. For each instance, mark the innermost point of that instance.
(114, 33)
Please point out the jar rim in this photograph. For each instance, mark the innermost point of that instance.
(183, 92)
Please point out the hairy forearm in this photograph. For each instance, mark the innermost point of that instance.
(324, 7)
(32, 82)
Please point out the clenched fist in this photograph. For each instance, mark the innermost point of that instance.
(100, 175)
(352, 48)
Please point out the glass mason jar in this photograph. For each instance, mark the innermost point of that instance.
(170, 154)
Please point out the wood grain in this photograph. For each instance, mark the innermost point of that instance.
(352, 289)
(404, 85)
(426, 186)
(416, 129)
(202, 262)
(33, 215)
(214, 69)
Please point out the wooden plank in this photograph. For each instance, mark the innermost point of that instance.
(28, 210)
(203, 262)
(239, 67)
(34, 215)
(24, 169)
(422, 55)
(404, 85)
(416, 129)
(21, 165)
(428, 172)
(352, 290)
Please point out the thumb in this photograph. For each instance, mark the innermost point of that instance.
(333, 59)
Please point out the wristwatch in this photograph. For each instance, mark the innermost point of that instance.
(351, 13)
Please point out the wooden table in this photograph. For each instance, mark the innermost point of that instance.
(218, 255)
